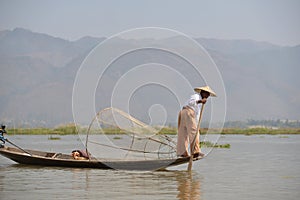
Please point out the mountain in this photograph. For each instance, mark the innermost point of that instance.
(261, 79)
(38, 73)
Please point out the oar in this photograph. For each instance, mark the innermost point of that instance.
(17, 146)
(194, 141)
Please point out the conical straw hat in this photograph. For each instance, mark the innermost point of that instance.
(207, 89)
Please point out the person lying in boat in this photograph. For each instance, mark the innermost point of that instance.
(80, 155)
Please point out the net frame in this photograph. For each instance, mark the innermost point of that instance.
(138, 131)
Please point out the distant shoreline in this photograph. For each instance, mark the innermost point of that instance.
(71, 130)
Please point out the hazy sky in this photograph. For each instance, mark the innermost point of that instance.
(275, 21)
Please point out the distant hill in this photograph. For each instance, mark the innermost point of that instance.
(38, 72)
(261, 79)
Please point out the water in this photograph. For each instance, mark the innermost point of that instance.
(255, 167)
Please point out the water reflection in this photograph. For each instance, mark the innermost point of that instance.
(69, 183)
(188, 186)
(136, 185)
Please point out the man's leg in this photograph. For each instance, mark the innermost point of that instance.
(182, 139)
(192, 130)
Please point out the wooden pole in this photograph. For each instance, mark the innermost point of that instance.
(192, 147)
(17, 147)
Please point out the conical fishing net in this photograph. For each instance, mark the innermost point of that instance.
(114, 134)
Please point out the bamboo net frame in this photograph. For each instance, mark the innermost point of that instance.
(145, 140)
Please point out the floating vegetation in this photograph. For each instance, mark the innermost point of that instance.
(210, 144)
(283, 136)
(261, 131)
(71, 129)
(66, 129)
(53, 137)
(288, 177)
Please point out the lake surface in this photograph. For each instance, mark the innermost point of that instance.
(255, 167)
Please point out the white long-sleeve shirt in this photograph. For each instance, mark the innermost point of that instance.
(192, 103)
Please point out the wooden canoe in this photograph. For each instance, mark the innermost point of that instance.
(41, 158)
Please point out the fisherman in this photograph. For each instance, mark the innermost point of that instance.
(187, 122)
(2, 131)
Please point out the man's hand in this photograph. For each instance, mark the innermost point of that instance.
(203, 101)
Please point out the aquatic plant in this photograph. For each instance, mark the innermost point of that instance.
(117, 138)
(53, 138)
(210, 144)
(71, 129)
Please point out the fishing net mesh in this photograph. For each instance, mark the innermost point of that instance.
(114, 133)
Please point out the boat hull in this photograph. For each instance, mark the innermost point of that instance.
(32, 157)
